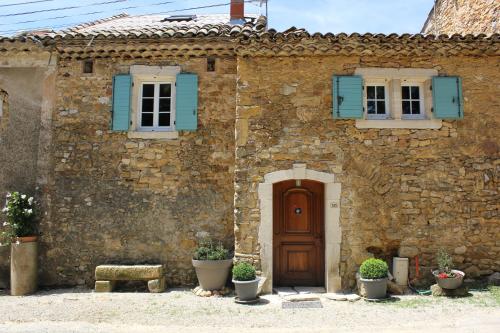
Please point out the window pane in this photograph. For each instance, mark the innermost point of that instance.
(405, 92)
(164, 119)
(147, 119)
(406, 107)
(415, 93)
(164, 104)
(147, 104)
(148, 90)
(165, 90)
(415, 107)
(370, 92)
(380, 93)
(380, 107)
(371, 107)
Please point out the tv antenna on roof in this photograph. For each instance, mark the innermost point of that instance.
(267, 12)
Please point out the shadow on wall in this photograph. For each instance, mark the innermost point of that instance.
(19, 139)
(19, 136)
(4, 109)
(4, 266)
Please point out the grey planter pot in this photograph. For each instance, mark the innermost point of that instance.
(450, 283)
(212, 274)
(374, 289)
(246, 290)
(24, 267)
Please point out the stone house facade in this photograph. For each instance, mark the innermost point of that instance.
(213, 116)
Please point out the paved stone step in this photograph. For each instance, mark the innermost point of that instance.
(342, 297)
(310, 290)
(301, 297)
(285, 291)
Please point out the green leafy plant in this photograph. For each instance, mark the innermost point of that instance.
(243, 272)
(20, 210)
(208, 251)
(374, 269)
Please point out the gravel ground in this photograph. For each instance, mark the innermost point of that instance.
(74, 310)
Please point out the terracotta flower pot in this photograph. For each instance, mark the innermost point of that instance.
(450, 283)
(27, 239)
(24, 266)
(212, 274)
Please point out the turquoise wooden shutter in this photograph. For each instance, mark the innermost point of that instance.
(447, 97)
(186, 101)
(122, 85)
(347, 97)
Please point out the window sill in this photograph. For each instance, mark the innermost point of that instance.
(377, 118)
(153, 135)
(400, 123)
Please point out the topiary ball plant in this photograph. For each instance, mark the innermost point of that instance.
(243, 272)
(373, 269)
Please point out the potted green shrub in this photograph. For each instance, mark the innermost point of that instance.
(20, 230)
(446, 277)
(373, 273)
(212, 264)
(245, 282)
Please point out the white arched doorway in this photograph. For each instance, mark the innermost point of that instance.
(333, 234)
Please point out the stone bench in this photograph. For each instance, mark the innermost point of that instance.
(107, 275)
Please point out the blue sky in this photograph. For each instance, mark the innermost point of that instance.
(377, 16)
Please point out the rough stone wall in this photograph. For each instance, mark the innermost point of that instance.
(402, 189)
(120, 200)
(20, 127)
(4, 249)
(4, 114)
(21, 92)
(463, 17)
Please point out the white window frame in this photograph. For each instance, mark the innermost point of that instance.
(394, 78)
(421, 94)
(387, 98)
(153, 74)
(156, 107)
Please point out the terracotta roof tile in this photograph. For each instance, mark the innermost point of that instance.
(156, 26)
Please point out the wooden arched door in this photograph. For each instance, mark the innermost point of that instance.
(298, 233)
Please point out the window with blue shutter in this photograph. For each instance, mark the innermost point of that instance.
(186, 117)
(347, 97)
(122, 85)
(447, 97)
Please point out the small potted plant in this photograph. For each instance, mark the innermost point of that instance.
(245, 282)
(373, 278)
(20, 230)
(212, 264)
(446, 277)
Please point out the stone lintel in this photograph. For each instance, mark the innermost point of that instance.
(128, 273)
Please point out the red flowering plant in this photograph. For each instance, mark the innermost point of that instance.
(445, 263)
